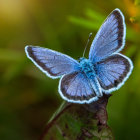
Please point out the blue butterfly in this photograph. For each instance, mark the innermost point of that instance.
(104, 71)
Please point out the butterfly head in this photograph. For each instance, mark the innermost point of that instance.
(84, 62)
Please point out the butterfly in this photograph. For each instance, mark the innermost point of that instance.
(86, 80)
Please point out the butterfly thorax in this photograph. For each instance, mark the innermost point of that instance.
(87, 67)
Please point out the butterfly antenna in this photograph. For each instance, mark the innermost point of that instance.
(87, 43)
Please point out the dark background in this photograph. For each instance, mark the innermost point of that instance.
(27, 97)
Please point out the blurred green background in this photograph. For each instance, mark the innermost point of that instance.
(27, 97)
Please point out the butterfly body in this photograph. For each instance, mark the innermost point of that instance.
(86, 81)
(88, 68)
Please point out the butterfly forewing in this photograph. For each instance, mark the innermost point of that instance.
(76, 88)
(110, 37)
(113, 72)
(53, 63)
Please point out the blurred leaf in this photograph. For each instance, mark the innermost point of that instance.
(84, 23)
(95, 15)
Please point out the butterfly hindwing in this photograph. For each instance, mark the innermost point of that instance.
(113, 71)
(110, 38)
(76, 88)
(52, 63)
